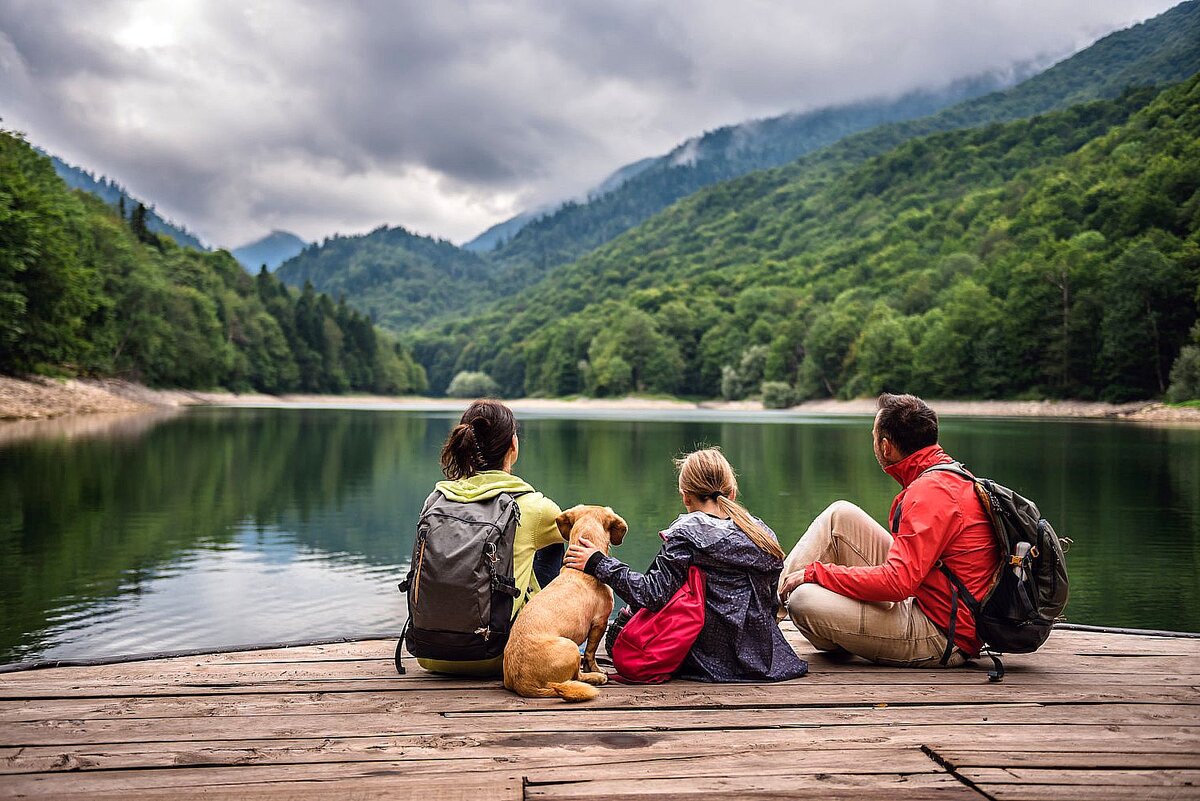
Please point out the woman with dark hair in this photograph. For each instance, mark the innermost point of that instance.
(477, 460)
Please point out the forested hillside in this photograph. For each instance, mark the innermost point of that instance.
(119, 198)
(1160, 51)
(403, 279)
(1056, 256)
(400, 279)
(729, 151)
(84, 291)
(401, 290)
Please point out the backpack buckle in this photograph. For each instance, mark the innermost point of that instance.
(506, 585)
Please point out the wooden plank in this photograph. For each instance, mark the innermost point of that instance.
(235, 747)
(1091, 760)
(1061, 642)
(374, 789)
(327, 787)
(828, 788)
(65, 680)
(1068, 647)
(815, 690)
(71, 731)
(492, 701)
(1086, 792)
(1126, 777)
(190, 781)
(461, 751)
(1027, 666)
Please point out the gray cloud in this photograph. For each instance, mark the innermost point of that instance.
(446, 117)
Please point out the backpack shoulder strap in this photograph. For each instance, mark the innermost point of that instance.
(957, 468)
(430, 500)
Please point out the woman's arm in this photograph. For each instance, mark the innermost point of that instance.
(651, 589)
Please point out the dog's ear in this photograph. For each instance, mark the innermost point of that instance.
(617, 528)
(566, 521)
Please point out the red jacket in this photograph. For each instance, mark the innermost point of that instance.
(940, 518)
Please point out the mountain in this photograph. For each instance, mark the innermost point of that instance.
(85, 291)
(271, 251)
(1056, 256)
(393, 287)
(500, 233)
(398, 278)
(639, 190)
(1162, 50)
(113, 193)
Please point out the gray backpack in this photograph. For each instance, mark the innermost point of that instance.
(460, 584)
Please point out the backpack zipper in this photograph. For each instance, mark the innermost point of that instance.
(417, 572)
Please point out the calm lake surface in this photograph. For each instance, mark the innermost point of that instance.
(234, 526)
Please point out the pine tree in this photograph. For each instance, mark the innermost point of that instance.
(137, 224)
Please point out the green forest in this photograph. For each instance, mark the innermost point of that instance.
(86, 289)
(1051, 257)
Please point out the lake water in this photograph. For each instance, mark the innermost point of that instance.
(234, 526)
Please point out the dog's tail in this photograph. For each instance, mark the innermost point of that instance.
(574, 690)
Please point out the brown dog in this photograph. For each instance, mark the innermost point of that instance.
(541, 659)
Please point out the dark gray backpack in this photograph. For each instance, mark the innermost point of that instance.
(460, 583)
(1029, 592)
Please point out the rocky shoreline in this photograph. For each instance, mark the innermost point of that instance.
(42, 398)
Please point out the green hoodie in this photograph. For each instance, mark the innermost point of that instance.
(536, 530)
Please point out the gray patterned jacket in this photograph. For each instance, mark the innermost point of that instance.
(741, 640)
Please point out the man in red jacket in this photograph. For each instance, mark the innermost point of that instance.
(850, 585)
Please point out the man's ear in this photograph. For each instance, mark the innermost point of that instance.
(566, 521)
(617, 528)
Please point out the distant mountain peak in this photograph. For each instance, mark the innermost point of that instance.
(271, 250)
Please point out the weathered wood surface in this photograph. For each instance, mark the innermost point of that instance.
(1092, 715)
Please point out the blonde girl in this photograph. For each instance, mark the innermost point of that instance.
(741, 560)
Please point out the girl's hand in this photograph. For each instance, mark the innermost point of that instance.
(579, 553)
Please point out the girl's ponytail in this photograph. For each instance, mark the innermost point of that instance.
(757, 534)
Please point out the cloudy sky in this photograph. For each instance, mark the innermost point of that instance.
(445, 117)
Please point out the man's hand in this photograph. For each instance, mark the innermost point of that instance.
(790, 582)
(579, 553)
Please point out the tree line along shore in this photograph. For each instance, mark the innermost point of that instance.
(38, 398)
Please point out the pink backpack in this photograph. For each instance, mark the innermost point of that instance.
(653, 645)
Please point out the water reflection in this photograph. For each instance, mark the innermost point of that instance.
(224, 526)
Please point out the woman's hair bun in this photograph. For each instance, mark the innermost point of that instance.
(480, 441)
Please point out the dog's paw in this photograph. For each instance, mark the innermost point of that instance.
(597, 678)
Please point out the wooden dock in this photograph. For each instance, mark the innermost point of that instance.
(1092, 716)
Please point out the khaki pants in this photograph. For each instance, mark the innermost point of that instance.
(887, 633)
